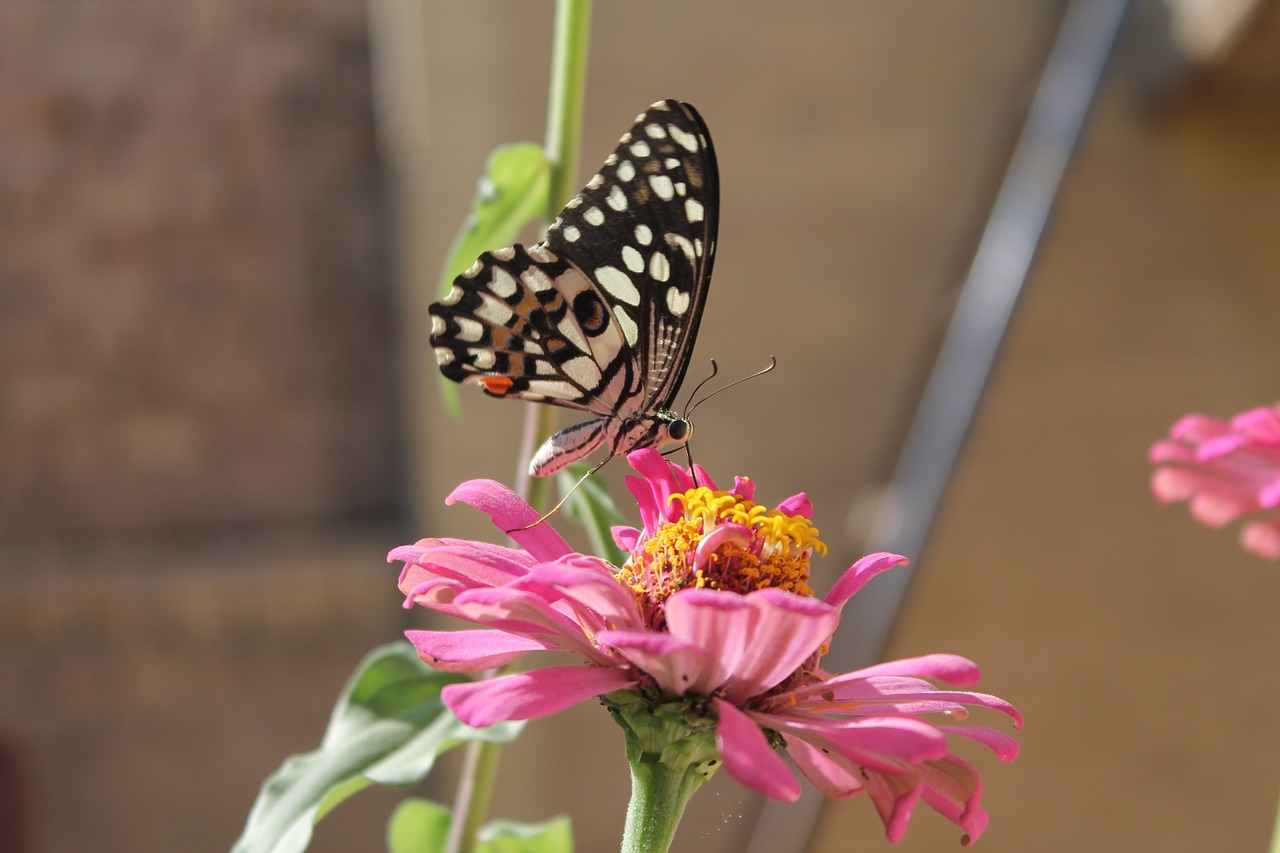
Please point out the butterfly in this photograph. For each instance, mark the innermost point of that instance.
(602, 315)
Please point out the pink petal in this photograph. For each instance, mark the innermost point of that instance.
(517, 612)
(830, 772)
(882, 743)
(529, 695)
(660, 477)
(585, 588)
(1262, 538)
(1005, 747)
(678, 666)
(749, 758)
(857, 694)
(744, 488)
(760, 638)
(952, 669)
(475, 563)
(1197, 428)
(859, 573)
(895, 797)
(625, 538)
(508, 512)
(953, 789)
(797, 505)
(470, 651)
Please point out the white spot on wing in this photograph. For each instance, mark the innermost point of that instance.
(677, 302)
(596, 181)
(472, 271)
(611, 159)
(617, 199)
(454, 296)
(482, 358)
(626, 171)
(640, 149)
(494, 311)
(574, 202)
(684, 244)
(570, 330)
(688, 140)
(681, 188)
(619, 284)
(662, 186)
(629, 329)
(583, 370)
(571, 234)
(506, 253)
(594, 216)
(659, 267)
(644, 236)
(444, 355)
(671, 163)
(438, 325)
(469, 330)
(655, 131)
(536, 279)
(502, 284)
(633, 259)
(541, 254)
(693, 210)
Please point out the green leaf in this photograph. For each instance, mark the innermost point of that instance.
(421, 826)
(592, 507)
(511, 194)
(387, 728)
(418, 826)
(504, 836)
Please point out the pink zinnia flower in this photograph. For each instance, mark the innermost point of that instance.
(1226, 471)
(710, 627)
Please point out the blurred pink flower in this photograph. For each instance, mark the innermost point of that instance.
(1225, 471)
(711, 614)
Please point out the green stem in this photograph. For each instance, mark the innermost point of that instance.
(564, 134)
(658, 798)
(564, 139)
(1275, 834)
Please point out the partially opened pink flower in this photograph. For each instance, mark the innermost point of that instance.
(707, 643)
(1226, 471)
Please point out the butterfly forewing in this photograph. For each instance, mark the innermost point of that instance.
(603, 314)
(644, 230)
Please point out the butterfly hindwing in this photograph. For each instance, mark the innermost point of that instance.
(601, 316)
(525, 323)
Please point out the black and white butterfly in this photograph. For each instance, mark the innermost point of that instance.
(603, 313)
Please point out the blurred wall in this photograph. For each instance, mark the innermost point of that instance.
(199, 411)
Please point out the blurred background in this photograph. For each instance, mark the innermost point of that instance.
(220, 223)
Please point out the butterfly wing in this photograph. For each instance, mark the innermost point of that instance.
(601, 316)
(644, 230)
(526, 323)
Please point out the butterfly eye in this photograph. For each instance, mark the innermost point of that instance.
(680, 429)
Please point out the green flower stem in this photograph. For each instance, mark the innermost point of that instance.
(1275, 834)
(564, 134)
(564, 139)
(658, 797)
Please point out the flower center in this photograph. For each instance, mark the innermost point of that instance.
(720, 541)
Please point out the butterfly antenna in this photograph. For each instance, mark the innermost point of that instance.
(773, 362)
(715, 368)
(563, 500)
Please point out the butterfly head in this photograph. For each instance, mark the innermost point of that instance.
(675, 431)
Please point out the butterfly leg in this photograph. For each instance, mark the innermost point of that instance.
(566, 497)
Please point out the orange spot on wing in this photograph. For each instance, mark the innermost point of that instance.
(498, 385)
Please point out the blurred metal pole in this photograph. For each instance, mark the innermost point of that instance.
(950, 400)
